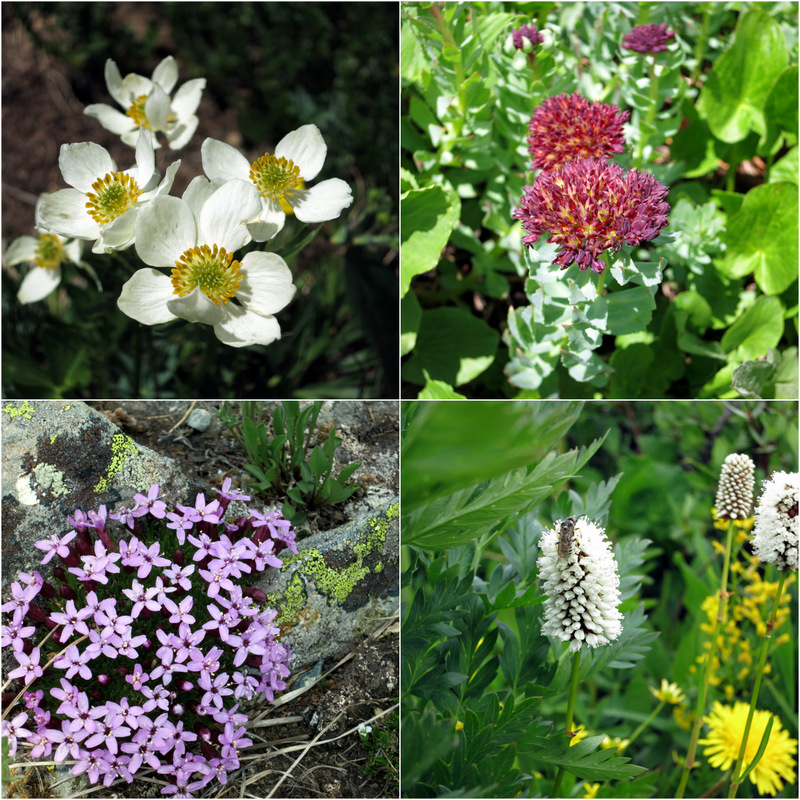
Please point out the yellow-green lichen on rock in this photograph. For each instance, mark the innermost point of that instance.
(26, 410)
(122, 447)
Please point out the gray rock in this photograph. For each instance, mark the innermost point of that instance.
(340, 585)
(58, 456)
(199, 419)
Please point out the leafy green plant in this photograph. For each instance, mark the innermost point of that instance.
(380, 743)
(706, 309)
(283, 462)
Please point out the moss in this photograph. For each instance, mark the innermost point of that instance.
(122, 447)
(26, 410)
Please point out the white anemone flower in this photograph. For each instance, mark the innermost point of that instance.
(104, 202)
(777, 522)
(45, 252)
(281, 179)
(147, 104)
(581, 584)
(197, 236)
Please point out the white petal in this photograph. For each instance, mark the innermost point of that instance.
(157, 108)
(196, 307)
(83, 163)
(111, 119)
(322, 202)
(187, 98)
(179, 136)
(74, 250)
(197, 194)
(264, 230)
(266, 285)
(145, 158)
(221, 162)
(222, 219)
(242, 328)
(64, 212)
(121, 233)
(166, 74)
(38, 283)
(306, 148)
(135, 86)
(114, 83)
(144, 297)
(20, 250)
(165, 228)
(166, 182)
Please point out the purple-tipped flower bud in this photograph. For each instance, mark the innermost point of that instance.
(179, 558)
(103, 679)
(60, 573)
(186, 686)
(47, 590)
(105, 538)
(67, 592)
(35, 614)
(203, 731)
(256, 594)
(208, 750)
(177, 710)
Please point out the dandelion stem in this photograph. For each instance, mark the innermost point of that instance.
(701, 695)
(736, 781)
(653, 715)
(573, 693)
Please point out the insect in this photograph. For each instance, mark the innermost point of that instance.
(565, 533)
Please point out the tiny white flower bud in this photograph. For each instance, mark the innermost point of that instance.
(776, 526)
(735, 488)
(581, 581)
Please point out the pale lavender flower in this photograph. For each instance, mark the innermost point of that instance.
(15, 635)
(125, 516)
(14, 730)
(217, 579)
(138, 678)
(157, 508)
(56, 545)
(127, 713)
(93, 764)
(84, 715)
(74, 661)
(180, 613)
(42, 746)
(179, 576)
(68, 740)
(180, 523)
(20, 600)
(203, 544)
(107, 733)
(28, 668)
(72, 619)
(214, 690)
(202, 511)
(150, 559)
(232, 739)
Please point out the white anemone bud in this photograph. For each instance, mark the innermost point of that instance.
(735, 489)
(775, 530)
(581, 581)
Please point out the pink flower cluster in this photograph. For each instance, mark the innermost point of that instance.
(590, 206)
(648, 38)
(529, 32)
(154, 639)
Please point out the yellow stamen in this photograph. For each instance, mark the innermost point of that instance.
(277, 178)
(49, 251)
(136, 112)
(213, 271)
(115, 194)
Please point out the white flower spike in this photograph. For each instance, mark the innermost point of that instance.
(281, 179)
(735, 488)
(197, 236)
(776, 527)
(581, 582)
(148, 105)
(104, 202)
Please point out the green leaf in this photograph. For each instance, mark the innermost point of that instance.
(733, 96)
(453, 346)
(786, 169)
(756, 331)
(762, 238)
(630, 310)
(780, 110)
(630, 376)
(426, 222)
(438, 390)
(410, 319)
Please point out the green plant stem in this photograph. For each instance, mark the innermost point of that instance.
(573, 693)
(652, 110)
(762, 659)
(701, 696)
(650, 718)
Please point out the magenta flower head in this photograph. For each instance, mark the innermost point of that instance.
(591, 206)
(570, 127)
(523, 33)
(648, 38)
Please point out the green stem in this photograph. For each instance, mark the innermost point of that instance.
(702, 694)
(733, 162)
(644, 725)
(573, 693)
(735, 781)
(652, 110)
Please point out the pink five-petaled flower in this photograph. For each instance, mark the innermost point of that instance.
(56, 545)
(157, 508)
(180, 613)
(73, 661)
(202, 511)
(215, 689)
(570, 127)
(20, 602)
(14, 730)
(529, 32)
(150, 559)
(72, 619)
(28, 668)
(591, 206)
(648, 38)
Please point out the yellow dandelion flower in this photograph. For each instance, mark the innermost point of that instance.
(726, 729)
(591, 789)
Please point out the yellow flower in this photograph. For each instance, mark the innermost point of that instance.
(668, 693)
(579, 733)
(683, 714)
(591, 789)
(726, 724)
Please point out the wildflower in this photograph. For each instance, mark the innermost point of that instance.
(735, 488)
(726, 729)
(526, 37)
(150, 504)
(668, 693)
(649, 38)
(776, 528)
(14, 730)
(582, 589)
(198, 239)
(570, 128)
(28, 668)
(45, 252)
(148, 105)
(281, 179)
(103, 202)
(591, 206)
(72, 619)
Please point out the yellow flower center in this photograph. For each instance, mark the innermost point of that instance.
(213, 271)
(49, 251)
(113, 196)
(276, 178)
(136, 112)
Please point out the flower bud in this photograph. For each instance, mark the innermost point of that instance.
(256, 594)
(735, 489)
(47, 590)
(103, 679)
(60, 573)
(97, 694)
(35, 614)
(179, 558)
(67, 592)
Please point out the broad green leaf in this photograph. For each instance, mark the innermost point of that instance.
(733, 97)
(786, 169)
(453, 345)
(756, 331)
(630, 365)
(438, 390)
(780, 110)
(630, 310)
(762, 238)
(410, 318)
(427, 220)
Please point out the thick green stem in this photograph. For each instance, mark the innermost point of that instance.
(573, 693)
(762, 659)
